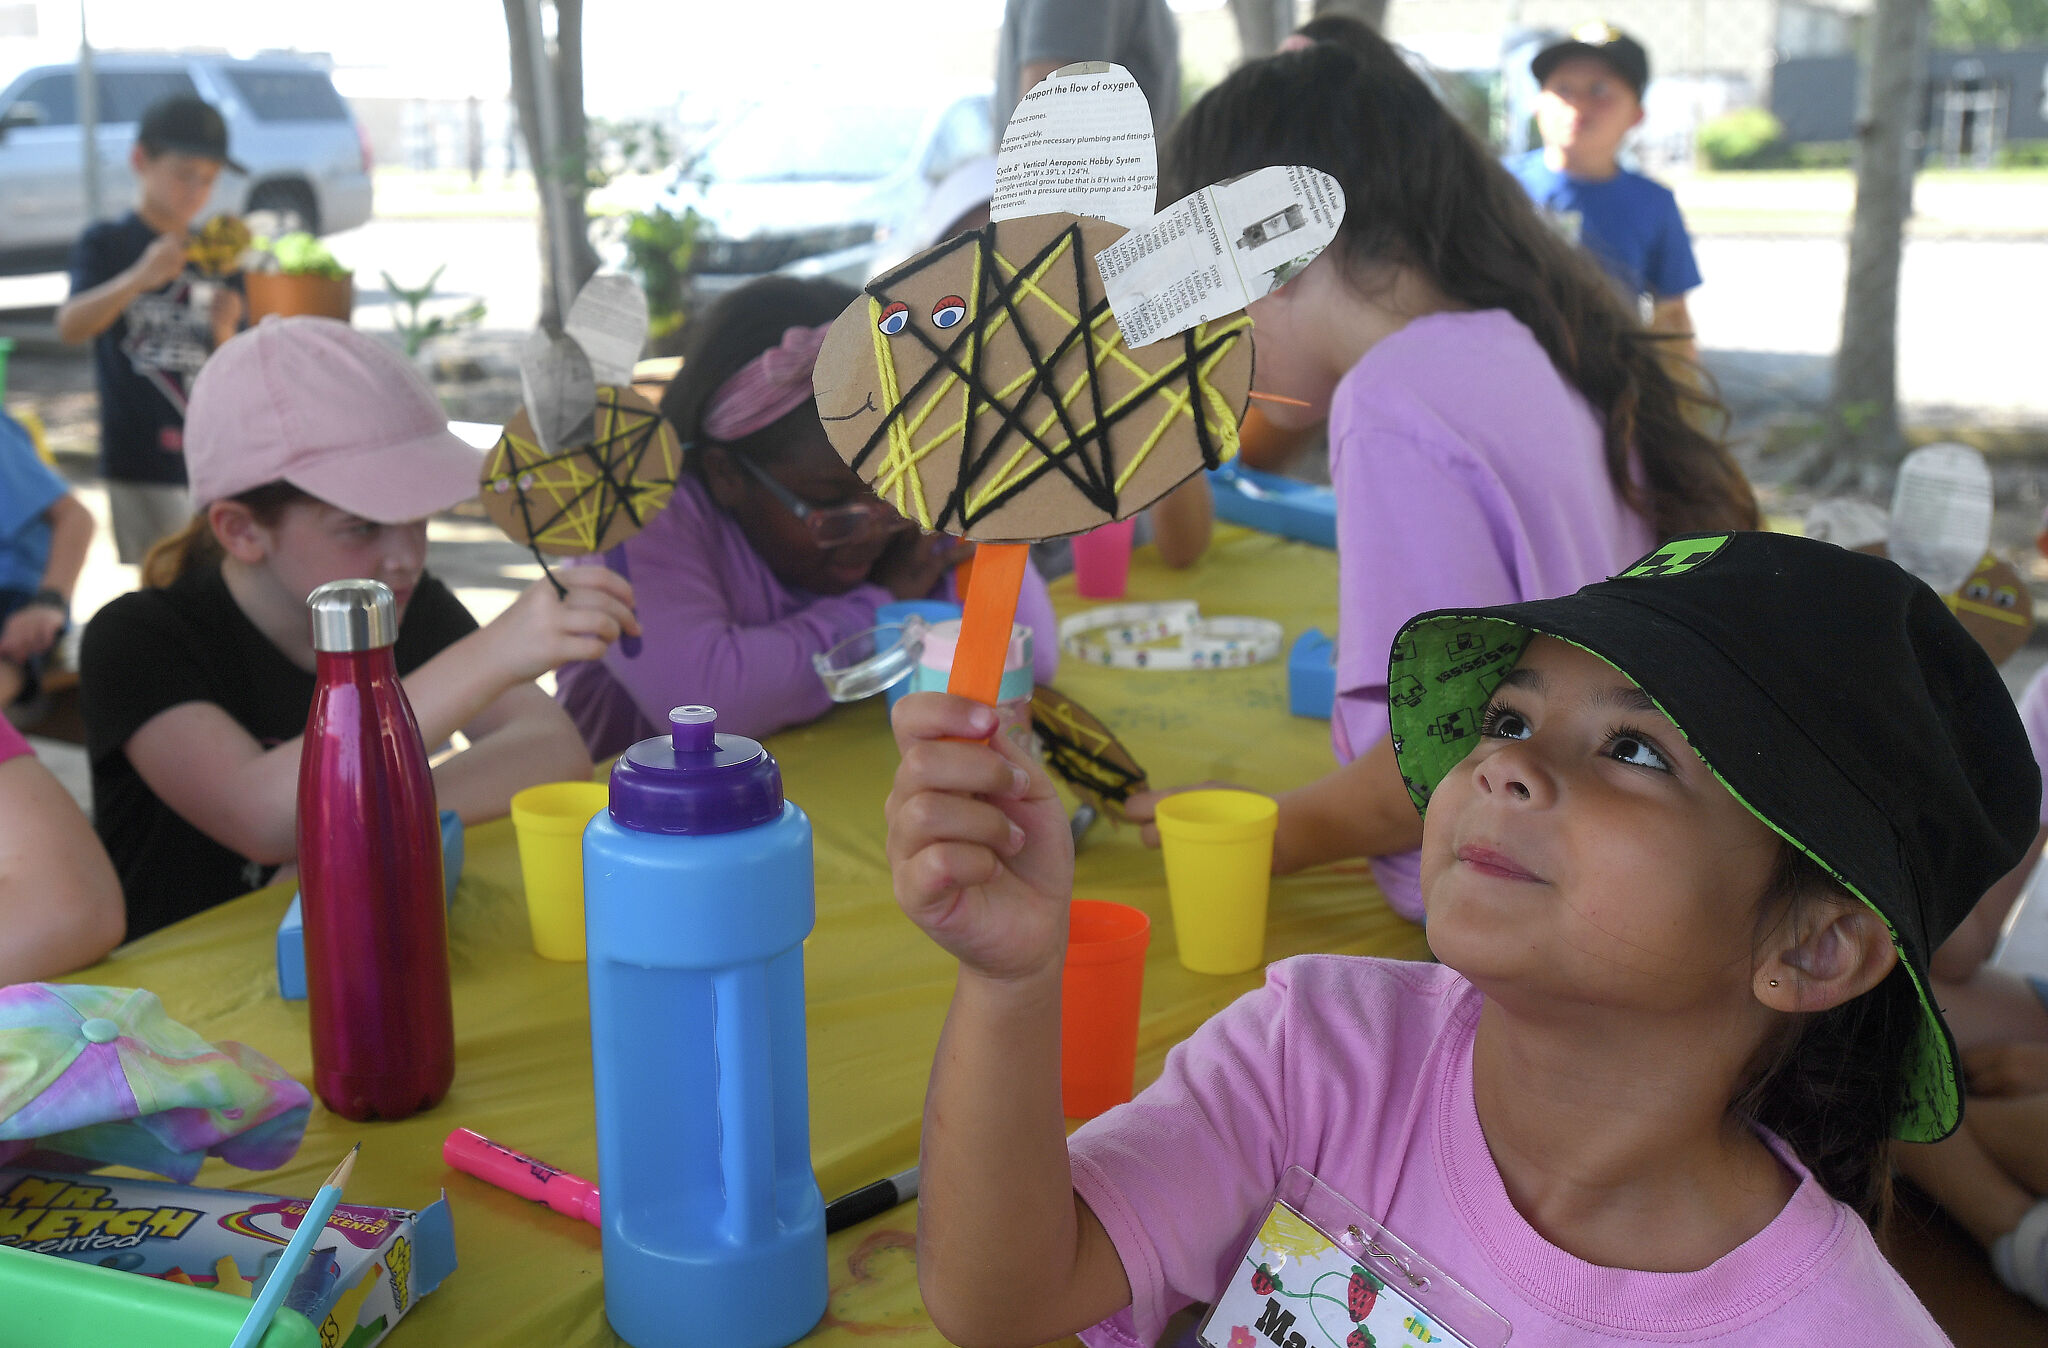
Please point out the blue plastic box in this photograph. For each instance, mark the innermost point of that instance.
(1312, 675)
(1275, 505)
(291, 933)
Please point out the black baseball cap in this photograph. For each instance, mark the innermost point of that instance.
(1604, 43)
(182, 124)
(1832, 692)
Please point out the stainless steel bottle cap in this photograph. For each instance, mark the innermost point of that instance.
(353, 615)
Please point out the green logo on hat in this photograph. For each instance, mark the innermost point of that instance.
(1677, 557)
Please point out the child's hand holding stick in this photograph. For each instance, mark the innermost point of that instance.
(984, 865)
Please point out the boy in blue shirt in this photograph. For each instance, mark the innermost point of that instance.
(1592, 98)
(44, 531)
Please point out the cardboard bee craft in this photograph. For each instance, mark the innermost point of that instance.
(1078, 357)
(585, 461)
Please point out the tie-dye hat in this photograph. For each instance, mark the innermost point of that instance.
(93, 1076)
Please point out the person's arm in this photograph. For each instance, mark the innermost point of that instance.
(1971, 943)
(34, 628)
(759, 676)
(523, 738)
(60, 901)
(1673, 273)
(1182, 521)
(226, 313)
(984, 864)
(1671, 317)
(206, 767)
(1360, 810)
(88, 313)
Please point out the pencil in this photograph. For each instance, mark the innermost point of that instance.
(264, 1309)
(1278, 398)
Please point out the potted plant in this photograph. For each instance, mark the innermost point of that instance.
(296, 274)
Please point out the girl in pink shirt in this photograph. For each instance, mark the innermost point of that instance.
(1501, 427)
(1690, 837)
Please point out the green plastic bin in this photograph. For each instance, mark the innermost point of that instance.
(55, 1303)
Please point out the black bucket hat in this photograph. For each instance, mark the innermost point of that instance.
(1833, 693)
(1606, 44)
(182, 124)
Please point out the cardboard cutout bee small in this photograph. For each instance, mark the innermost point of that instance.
(1084, 752)
(585, 461)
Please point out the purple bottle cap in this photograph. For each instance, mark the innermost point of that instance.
(695, 780)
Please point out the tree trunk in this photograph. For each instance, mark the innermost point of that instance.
(1863, 441)
(566, 166)
(1371, 13)
(1262, 25)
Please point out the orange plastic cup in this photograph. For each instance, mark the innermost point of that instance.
(1099, 995)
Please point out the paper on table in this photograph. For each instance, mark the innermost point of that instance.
(1080, 143)
(559, 389)
(1941, 514)
(609, 321)
(1216, 250)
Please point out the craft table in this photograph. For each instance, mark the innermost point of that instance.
(877, 988)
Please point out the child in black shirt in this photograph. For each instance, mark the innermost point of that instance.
(132, 296)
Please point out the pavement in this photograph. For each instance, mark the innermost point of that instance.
(1769, 316)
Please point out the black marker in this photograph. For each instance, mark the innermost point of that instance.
(870, 1201)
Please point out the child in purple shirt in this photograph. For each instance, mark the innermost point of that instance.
(771, 550)
(1691, 836)
(1501, 426)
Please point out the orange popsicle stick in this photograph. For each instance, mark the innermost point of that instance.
(985, 622)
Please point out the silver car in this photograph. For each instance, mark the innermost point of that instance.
(308, 161)
(825, 188)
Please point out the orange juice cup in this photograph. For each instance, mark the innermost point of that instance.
(1218, 847)
(1099, 993)
(549, 820)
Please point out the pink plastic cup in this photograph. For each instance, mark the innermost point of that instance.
(1102, 560)
(1099, 995)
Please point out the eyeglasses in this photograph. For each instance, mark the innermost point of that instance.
(838, 526)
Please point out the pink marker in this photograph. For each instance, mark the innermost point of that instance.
(518, 1173)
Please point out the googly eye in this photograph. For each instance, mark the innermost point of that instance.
(2006, 597)
(949, 311)
(1977, 589)
(894, 319)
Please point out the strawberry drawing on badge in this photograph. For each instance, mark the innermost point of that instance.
(1263, 1281)
(1363, 1292)
(1361, 1337)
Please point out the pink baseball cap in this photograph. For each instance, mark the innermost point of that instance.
(334, 412)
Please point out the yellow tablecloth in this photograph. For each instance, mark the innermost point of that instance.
(877, 989)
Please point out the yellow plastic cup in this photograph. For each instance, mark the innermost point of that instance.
(549, 820)
(1219, 869)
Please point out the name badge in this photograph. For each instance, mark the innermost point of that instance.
(1321, 1274)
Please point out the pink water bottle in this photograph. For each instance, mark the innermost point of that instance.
(370, 871)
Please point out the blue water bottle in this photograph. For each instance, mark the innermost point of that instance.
(697, 898)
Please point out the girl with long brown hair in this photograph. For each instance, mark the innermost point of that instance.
(1501, 427)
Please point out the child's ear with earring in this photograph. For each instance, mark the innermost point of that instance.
(1826, 952)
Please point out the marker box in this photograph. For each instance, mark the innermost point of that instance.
(368, 1269)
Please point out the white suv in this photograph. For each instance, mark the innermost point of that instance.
(308, 161)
